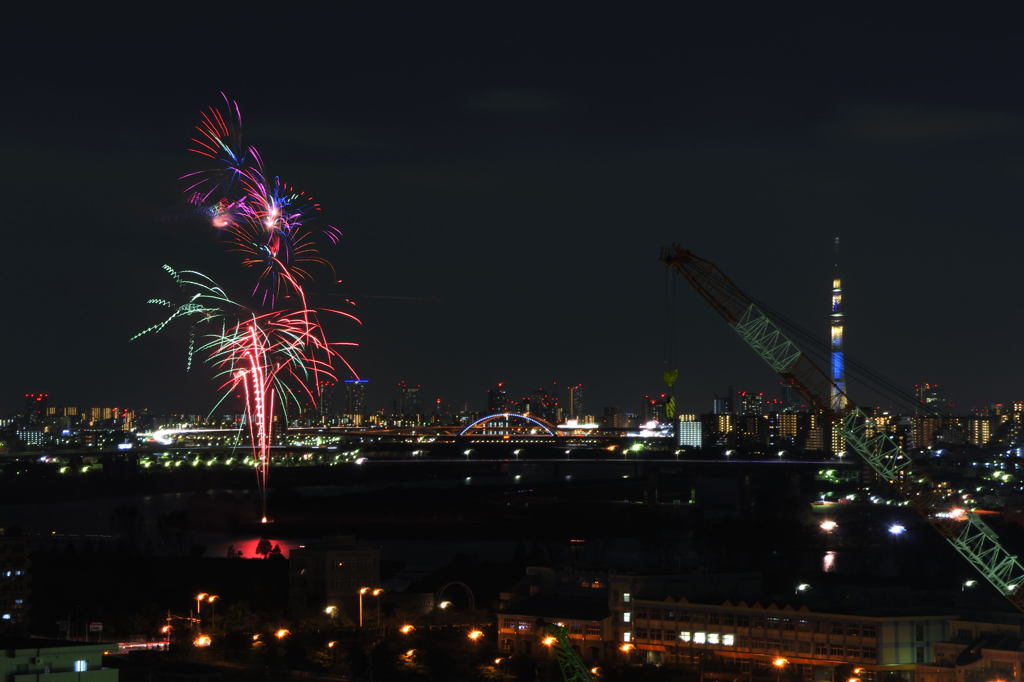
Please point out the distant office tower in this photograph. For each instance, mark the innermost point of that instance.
(540, 403)
(791, 399)
(690, 431)
(751, 403)
(931, 399)
(497, 399)
(648, 408)
(575, 403)
(814, 434)
(838, 375)
(723, 405)
(35, 406)
(979, 430)
(408, 401)
(789, 426)
(355, 397)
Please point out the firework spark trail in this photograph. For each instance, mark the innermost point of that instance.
(273, 358)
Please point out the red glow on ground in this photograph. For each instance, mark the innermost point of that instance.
(248, 547)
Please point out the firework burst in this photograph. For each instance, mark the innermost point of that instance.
(273, 358)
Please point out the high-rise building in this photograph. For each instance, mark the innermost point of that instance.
(35, 406)
(497, 399)
(751, 403)
(690, 431)
(723, 405)
(979, 430)
(814, 439)
(540, 403)
(408, 401)
(575, 402)
(355, 397)
(791, 400)
(789, 426)
(836, 323)
(931, 399)
(15, 585)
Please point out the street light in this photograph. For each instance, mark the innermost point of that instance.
(444, 605)
(199, 601)
(376, 592)
(627, 647)
(331, 610)
(828, 525)
(202, 641)
(281, 633)
(212, 599)
(406, 629)
(549, 640)
(474, 635)
(779, 662)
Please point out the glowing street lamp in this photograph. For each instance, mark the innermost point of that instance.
(779, 662)
(444, 605)
(897, 529)
(475, 635)
(627, 647)
(281, 633)
(331, 610)
(828, 525)
(202, 641)
(406, 629)
(373, 591)
(549, 641)
(200, 598)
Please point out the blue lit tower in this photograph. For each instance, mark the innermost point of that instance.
(838, 401)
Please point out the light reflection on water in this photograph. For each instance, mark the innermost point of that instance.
(828, 562)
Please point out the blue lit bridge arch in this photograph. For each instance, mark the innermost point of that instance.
(508, 424)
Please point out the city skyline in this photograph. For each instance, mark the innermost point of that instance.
(743, 155)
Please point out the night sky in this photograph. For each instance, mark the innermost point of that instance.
(505, 182)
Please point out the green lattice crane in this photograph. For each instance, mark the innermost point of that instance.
(573, 669)
(971, 537)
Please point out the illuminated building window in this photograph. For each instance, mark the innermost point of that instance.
(627, 636)
(81, 665)
(728, 640)
(625, 597)
(685, 636)
(712, 638)
(626, 617)
(700, 637)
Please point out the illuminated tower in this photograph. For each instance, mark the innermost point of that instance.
(575, 401)
(838, 401)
